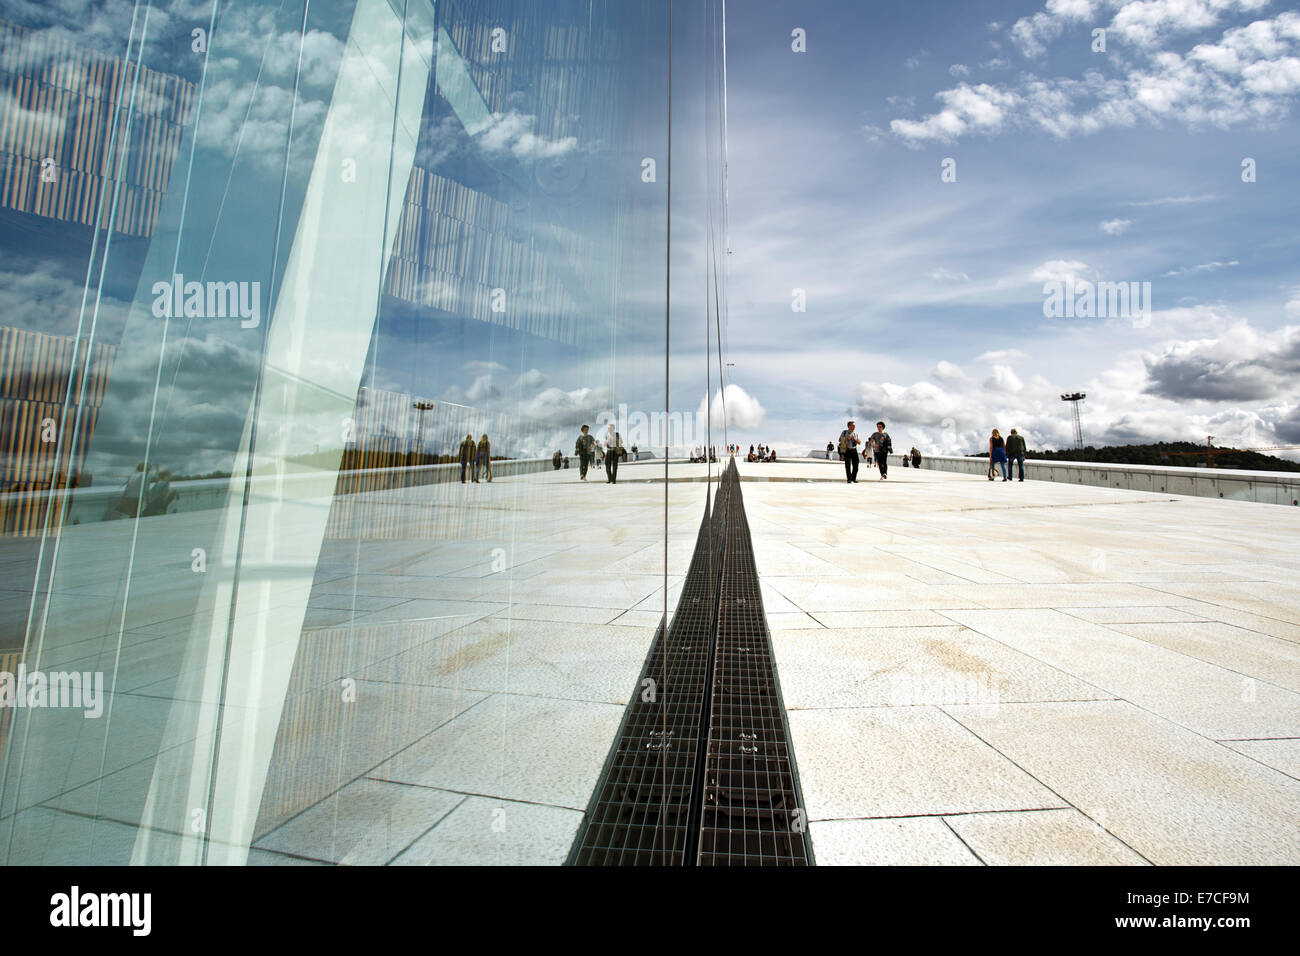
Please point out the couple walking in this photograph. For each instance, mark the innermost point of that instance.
(882, 446)
(1004, 452)
(585, 449)
(476, 458)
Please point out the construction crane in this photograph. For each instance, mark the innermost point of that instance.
(1210, 451)
(1074, 398)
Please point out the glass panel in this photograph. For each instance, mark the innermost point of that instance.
(310, 303)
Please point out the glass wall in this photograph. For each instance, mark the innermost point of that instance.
(305, 307)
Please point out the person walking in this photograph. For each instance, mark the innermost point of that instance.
(467, 452)
(882, 446)
(584, 449)
(483, 460)
(830, 447)
(613, 452)
(1016, 453)
(849, 442)
(916, 457)
(997, 454)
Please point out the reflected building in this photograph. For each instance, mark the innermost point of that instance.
(266, 266)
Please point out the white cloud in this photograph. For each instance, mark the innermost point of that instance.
(1203, 267)
(947, 372)
(743, 411)
(1059, 270)
(947, 275)
(1242, 364)
(1252, 74)
(1235, 381)
(1004, 379)
(1115, 227)
(513, 132)
(966, 108)
(1001, 356)
(1171, 200)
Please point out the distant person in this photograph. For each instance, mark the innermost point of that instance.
(636, 454)
(483, 459)
(916, 457)
(830, 447)
(882, 446)
(159, 495)
(1016, 452)
(467, 452)
(849, 442)
(997, 454)
(907, 460)
(613, 451)
(557, 459)
(584, 448)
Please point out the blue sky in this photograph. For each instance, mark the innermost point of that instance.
(925, 298)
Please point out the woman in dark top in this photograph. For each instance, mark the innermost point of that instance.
(997, 454)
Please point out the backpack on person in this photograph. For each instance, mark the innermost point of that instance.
(844, 442)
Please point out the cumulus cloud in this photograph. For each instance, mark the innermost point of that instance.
(1004, 379)
(946, 371)
(1059, 270)
(1235, 382)
(513, 133)
(965, 108)
(1250, 74)
(1243, 364)
(743, 411)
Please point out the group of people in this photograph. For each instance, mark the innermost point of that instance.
(475, 457)
(762, 453)
(697, 454)
(878, 447)
(611, 451)
(1006, 452)
(914, 456)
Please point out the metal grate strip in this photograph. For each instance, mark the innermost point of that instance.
(701, 770)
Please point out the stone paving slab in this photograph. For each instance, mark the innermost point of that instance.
(1150, 641)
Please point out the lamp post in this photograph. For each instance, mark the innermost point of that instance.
(1074, 398)
(420, 407)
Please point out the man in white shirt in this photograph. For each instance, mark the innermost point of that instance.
(849, 441)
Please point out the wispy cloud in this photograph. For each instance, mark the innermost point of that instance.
(1203, 267)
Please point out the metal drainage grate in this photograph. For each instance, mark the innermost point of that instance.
(701, 771)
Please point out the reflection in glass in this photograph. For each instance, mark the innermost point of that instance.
(272, 272)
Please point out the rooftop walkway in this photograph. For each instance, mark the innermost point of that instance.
(974, 672)
(1035, 673)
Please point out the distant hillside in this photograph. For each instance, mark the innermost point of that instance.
(1165, 453)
